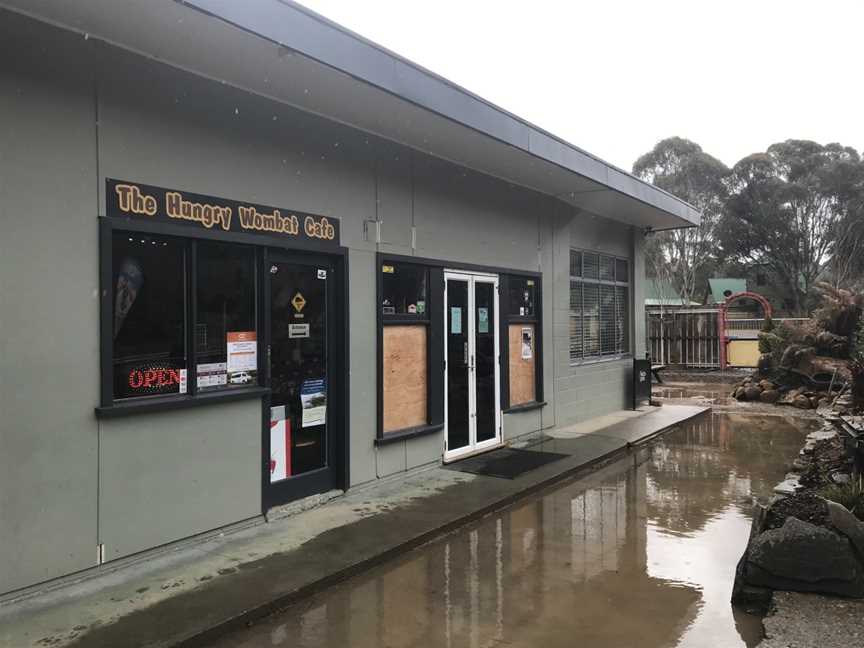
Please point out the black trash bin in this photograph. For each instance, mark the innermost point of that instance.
(641, 383)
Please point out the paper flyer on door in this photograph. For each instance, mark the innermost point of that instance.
(313, 398)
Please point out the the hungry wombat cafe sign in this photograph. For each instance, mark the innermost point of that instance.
(146, 202)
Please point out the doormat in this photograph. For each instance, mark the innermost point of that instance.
(506, 463)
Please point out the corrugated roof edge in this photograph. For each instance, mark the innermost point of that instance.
(223, 10)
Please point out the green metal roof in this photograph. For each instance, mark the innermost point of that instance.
(659, 292)
(718, 286)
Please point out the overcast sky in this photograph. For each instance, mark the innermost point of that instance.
(616, 76)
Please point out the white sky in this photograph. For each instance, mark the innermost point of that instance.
(616, 76)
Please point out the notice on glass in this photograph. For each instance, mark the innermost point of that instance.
(242, 360)
(298, 331)
(212, 374)
(527, 343)
(313, 399)
(455, 320)
(483, 320)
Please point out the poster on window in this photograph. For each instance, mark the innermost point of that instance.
(313, 398)
(280, 445)
(212, 374)
(242, 356)
(527, 343)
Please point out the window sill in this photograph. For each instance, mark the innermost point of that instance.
(179, 402)
(525, 407)
(408, 433)
(601, 360)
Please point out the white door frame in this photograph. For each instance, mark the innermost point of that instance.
(473, 447)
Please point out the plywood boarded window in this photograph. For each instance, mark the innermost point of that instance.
(522, 344)
(405, 375)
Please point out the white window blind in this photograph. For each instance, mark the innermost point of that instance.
(599, 306)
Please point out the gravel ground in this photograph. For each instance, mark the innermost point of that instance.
(813, 621)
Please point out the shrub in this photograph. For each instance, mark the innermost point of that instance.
(850, 495)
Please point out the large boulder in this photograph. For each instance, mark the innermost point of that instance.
(831, 344)
(847, 524)
(802, 402)
(803, 557)
(769, 396)
(765, 363)
(752, 393)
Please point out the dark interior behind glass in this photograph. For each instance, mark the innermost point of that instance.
(404, 289)
(522, 296)
(226, 304)
(148, 300)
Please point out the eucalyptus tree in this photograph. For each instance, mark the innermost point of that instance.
(786, 209)
(685, 256)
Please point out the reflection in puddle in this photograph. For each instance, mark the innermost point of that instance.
(716, 394)
(641, 553)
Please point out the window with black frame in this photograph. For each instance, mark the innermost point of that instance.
(599, 306)
(404, 346)
(153, 278)
(403, 289)
(522, 318)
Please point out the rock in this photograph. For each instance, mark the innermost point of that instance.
(801, 402)
(814, 402)
(788, 486)
(769, 396)
(752, 393)
(740, 393)
(847, 524)
(742, 593)
(767, 385)
(803, 557)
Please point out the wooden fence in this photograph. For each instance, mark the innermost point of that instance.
(689, 337)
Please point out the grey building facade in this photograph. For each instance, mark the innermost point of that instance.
(431, 196)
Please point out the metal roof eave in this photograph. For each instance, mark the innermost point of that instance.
(325, 41)
(314, 64)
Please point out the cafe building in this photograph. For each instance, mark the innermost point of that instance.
(249, 257)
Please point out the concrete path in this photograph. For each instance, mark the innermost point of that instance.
(807, 620)
(184, 596)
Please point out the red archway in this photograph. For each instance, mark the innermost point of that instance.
(721, 318)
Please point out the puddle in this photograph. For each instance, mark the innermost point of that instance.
(641, 554)
(714, 394)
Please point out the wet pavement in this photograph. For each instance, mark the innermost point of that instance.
(641, 553)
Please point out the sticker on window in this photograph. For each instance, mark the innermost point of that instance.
(298, 331)
(455, 320)
(527, 343)
(483, 320)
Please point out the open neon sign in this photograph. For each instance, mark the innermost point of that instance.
(149, 378)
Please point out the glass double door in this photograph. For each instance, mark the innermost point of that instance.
(299, 443)
(472, 414)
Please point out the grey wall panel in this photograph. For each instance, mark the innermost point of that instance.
(424, 450)
(519, 424)
(49, 333)
(590, 232)
(463, 216)
(391, 459)
(394, 196)
(170, 475)
(364, 399)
